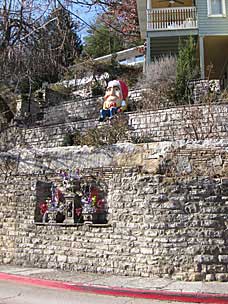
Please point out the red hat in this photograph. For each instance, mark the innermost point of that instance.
(122, 85)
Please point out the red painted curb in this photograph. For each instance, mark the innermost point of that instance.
(121, 292)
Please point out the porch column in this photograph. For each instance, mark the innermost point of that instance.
(148, 59)
(148, 4)
(201, 49)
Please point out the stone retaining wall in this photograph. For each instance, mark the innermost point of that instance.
(167, 198)
(81, 109)
(163, 222)
(73, 110)
(64, 118)
(188, 123)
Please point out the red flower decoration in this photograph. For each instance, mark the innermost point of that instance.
(100, 204)
(78, 211)
(43, 207)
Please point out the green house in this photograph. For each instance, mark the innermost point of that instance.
(164, 22)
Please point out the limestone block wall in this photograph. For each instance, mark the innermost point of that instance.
(209, 158)
(189, 123)
(159, 224)
(80, 108)
(73, 110)
(42, 136)
(163, 222)
(196, 122)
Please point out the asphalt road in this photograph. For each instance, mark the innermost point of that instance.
(14, 293)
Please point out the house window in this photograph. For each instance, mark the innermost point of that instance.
(139, 58)
(216, 8)
(123, 61)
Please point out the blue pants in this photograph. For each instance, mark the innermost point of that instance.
(108, 113)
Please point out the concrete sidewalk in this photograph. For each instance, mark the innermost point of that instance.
(153, 288)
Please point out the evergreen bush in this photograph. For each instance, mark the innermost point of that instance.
(187, 69)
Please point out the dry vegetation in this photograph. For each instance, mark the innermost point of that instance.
(111, 132)
(159, 84)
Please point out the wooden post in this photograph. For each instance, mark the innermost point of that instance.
(202, 64)
(148, 4)
(148, 59)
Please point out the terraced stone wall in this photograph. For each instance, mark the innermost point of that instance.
(157, 227)
(169, 222)
(188, 123)
(64, 118)
(81, 109)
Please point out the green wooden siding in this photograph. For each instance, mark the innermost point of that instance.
(160, 46)
(211, 25)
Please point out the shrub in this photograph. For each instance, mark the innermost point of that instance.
(68, 140)
(108, 134)
(97, 89)
(8, 104)
(224, 95)
(60, 88)
(187, 69)
(106, 71)
(159, 84)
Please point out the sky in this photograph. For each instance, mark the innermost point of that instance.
(88, 16)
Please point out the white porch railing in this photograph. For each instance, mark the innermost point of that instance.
(172, 18)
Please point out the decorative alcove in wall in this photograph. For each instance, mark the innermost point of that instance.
(71, 198)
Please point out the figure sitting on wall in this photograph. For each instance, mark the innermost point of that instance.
(114, 99)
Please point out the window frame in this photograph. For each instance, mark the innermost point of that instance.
(209, 9)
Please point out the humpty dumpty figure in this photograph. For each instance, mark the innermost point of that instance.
(114, 99)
